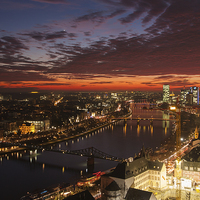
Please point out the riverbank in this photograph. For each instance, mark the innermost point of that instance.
(27, 145)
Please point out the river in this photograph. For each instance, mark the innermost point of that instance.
(21, 173)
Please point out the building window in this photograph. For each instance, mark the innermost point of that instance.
(151, 184)
(191, 168)
(186, 167)
(198, 169)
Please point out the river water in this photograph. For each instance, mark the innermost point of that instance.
(20, 174)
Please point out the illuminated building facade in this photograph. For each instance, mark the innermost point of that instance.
(40, 125)
(184, 94)
(114, 95)
(27, 128)
(172, 98)
(191, 165)
(195, 92)
(166, 93)
(139, 174)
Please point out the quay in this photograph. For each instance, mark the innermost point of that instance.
(21, 146)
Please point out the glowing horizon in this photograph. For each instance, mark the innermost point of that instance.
(99, 45)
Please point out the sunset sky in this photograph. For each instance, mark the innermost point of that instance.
(99, 45)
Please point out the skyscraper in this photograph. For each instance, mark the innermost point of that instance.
(195, 92)
(184, 94)
(166, 93)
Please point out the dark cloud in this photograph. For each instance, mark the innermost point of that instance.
(133, 16)
(11, 43)
(130, 83)
(169, 46)
(53, 1)
(99, 16)
(101, 82)
(146, 83)
(53, 84)
(177, 81)
(49, 36)
(94, 16)
(11, 75)
(87, 33)
(13, 5)
(11, 50)
(116, 13)
(150, 9)
(165, 77)
(169, 77)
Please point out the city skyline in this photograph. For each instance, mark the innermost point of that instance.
(99, 45)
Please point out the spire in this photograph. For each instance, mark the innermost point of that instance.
(135, 156)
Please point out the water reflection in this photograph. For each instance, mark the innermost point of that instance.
(138, 130)
(111, 141)
(165, 130)
(151, 127)
(166, 122)
(144, 129)
(124, 129)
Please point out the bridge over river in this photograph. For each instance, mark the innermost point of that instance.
(90, 152)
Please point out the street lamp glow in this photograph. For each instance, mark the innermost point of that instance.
(172, 107)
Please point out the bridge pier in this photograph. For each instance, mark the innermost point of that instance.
(90, 164)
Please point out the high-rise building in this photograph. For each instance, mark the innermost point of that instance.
(166, 93)
(189, 98)
(184, 94)
(195, 92)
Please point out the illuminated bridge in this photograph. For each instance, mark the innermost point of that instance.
(151, 118)
(90, 152)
